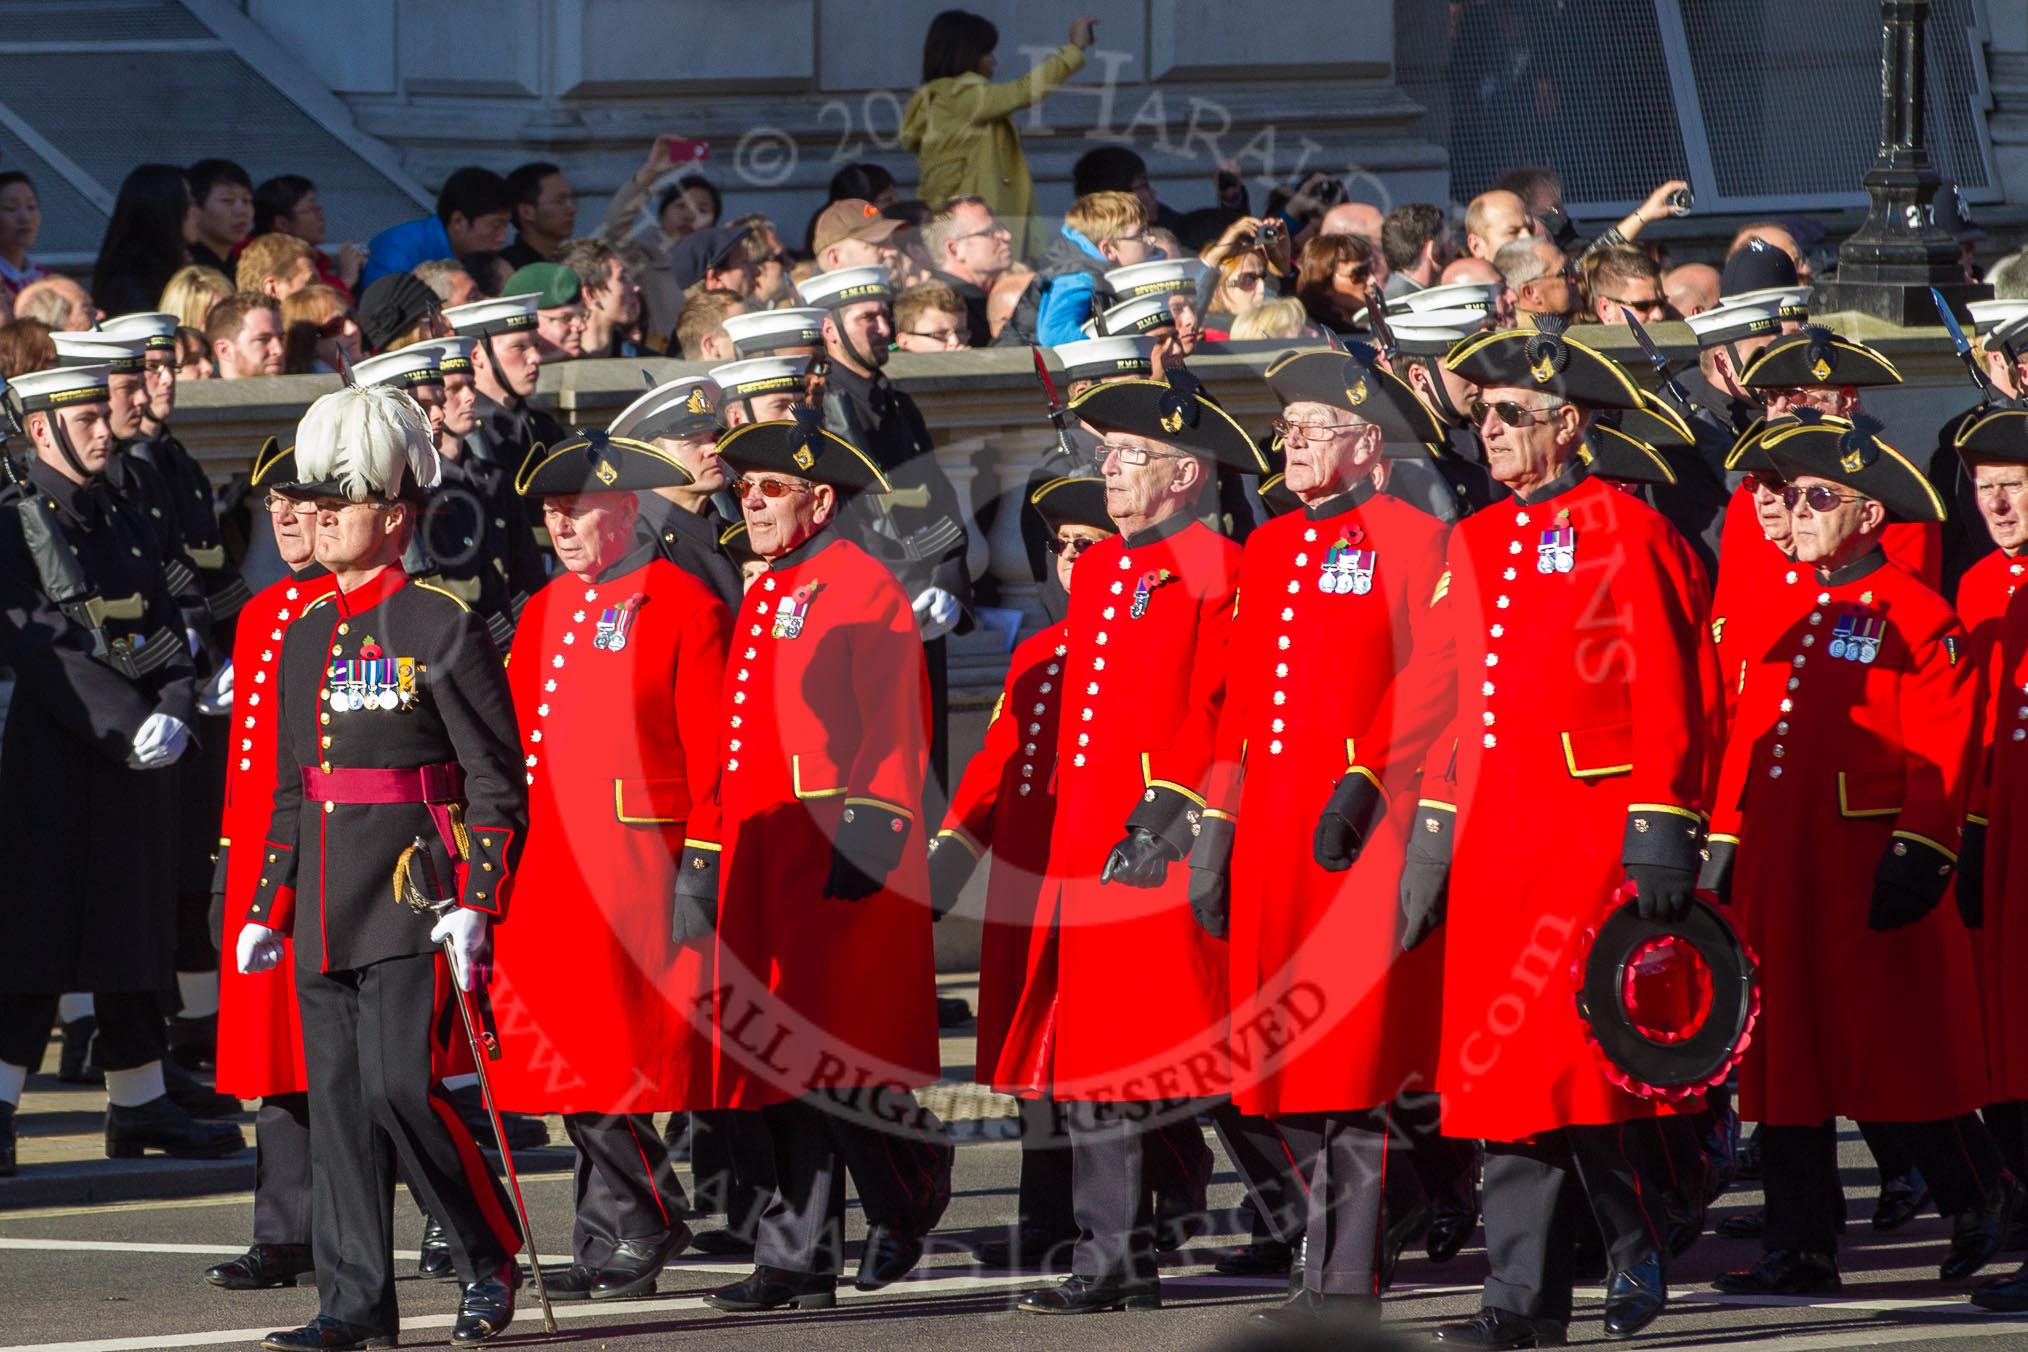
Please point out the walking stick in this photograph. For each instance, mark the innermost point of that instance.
(428, 899)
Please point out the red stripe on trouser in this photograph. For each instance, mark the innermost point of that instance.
(1290, 1155)
(648, 1170)
(478, 1178)
(1640, 1193)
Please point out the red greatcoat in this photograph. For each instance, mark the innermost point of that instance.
(260, 1038)
(1999, 798)
(1580, 702)
(1006, 802)
(616, 687)
(826, 713)
(1140, 999)
(1310, 656)
(1835, 763)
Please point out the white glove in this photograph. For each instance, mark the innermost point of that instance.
(259, 948)
(160, 741)
(936, 613)
(217, 695)
(470, 944)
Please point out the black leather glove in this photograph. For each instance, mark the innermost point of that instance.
(1346, 822)
(1426, 876)
(1972, 875)
(693, 913)
(1661, 892)
(1908, 884)
(1211, 875)
(867, 848)
(1141, 860)
(1716, 875)
(950, 866)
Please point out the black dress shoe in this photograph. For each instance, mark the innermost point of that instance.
(159, 1124)
(325, 1334)
(770, 1288)
(523, 1132)
(1745, 1225)
(572, 1283)
(953, 1012)
(1901, 1198)
(263, 1266)
(1027, 1247)
(1310, 1309)
(1451, 1222)
(1977, 1233)
(193, 1043)
(193, 1095)
(1093, 1295)
(436, 1260)
(1784, 1272)
(1634, 1296)
(721, 1244)
(636, 1263)
(78, 1062)
(7, 1165)
(1497, 1329)
(2006, 1294)
(1259, 1258)
(886, 1259)
(487, 1306)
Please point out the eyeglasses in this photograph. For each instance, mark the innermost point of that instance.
(959, 337)
(997, 230)
(768, 488)
(1508, 412)
(1311, 431)
(1074, 546)
(1245, 281)
(1636, 302)
(337, 506)
(1129, 455)
(1128, 239)
(278, 503)
(1820, 498)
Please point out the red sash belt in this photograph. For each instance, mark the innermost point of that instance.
(439, 787)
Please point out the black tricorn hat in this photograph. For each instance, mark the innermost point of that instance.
(1654, 424)
(597, 462)
(1275, 492)
(1746, 455)
(1177, 412)
(1355, 381)
(1815, 356)
(733, 540)
(275, 467)
(1074, 500)
(801, 448)
(1997, 434)
(1668, 1006)
(1612, 454)
(1850, 452)
(1550, 362)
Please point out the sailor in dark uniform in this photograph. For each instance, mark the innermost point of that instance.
(918, 527)
(1422, 337)
(104, 697)
(681, 417)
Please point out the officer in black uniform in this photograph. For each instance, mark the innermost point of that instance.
(104, 697)
(681, 417)
(918, 528)
(509, 544)
(397, 758)
(1422, 337)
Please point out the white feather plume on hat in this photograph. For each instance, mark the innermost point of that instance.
(362, 440)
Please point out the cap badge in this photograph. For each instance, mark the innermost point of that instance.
(804, 457)
(1172, 420)
(604, 471)
(1820, 369)
(1355, 394)
(697, 403)
(1546, 356)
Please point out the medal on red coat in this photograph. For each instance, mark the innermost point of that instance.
(615, 621)
(1348, 569)
(1153, 578)
(1558, 551)
(791, 609)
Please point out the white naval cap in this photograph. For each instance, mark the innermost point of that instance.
(759, 332)
(675, 408)
(846, 286)
(502, 314)
(1156, 277)
(404, 368)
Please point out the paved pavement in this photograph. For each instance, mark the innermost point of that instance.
(79, 1275)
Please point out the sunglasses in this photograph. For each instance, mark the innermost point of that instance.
(768, 488)
(1508, 412)
(334, 327)
(1820, 498)
(1073, 546)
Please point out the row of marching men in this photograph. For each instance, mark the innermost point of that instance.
(797, 1035)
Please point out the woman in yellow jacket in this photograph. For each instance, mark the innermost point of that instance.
(961, 128)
